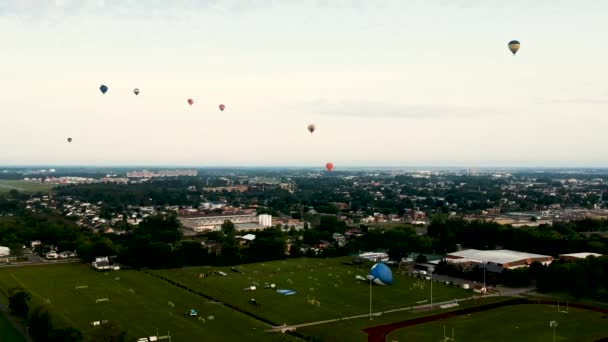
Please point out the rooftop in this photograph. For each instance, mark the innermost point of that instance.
(582, 255)
(500, 256)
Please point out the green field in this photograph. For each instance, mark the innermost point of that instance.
(327, 280)
(23, 186)
(140, 312)
(352, 330)
(8, 332)
(522, 323)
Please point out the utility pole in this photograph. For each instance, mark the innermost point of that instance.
(431, 269)
(484, 274)
(370, 278)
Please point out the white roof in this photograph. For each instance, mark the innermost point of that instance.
(4, 250)
(249, 237)
(581, 255)
(500, 256)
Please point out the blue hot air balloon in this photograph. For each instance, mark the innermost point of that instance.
(103, 88)
(381, 274)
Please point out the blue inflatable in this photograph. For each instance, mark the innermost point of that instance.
(381, 274)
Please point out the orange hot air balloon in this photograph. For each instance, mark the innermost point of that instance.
(222, 107)
(329, 166)
(190, 101)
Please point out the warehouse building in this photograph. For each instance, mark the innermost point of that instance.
(497, 260)
(577, 256)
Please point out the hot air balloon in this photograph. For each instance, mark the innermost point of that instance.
(103, 88)
(136, 91)
(514, 46)
(70, 140)
(329, 166)
(190, 101)
(311, 128)
(222, 107)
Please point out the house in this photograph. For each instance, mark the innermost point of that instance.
(340, 239)
(212, 247)
(101, 263)
(246, 239)
(4, 251)
(323, 244)
(7, 259)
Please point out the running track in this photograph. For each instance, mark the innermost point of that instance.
(379, 333)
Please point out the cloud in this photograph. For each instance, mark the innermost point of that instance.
(565, 100)
(365, 109)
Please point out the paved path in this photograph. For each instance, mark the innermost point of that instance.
(505, 292)
(378, 313)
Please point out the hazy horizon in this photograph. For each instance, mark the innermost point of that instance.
(388, 84)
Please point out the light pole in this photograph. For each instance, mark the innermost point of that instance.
(370, 278)
(431, 269)
(553, 324)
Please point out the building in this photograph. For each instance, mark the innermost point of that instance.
(7, 259)
(577, 256)
(497, 260)
(162, 173)
(4, 251)
(374, 256)
(101, 263)
(242, 222)
(265, 220)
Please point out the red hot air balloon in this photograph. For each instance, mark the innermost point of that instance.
(329, 166)
(222, 107)
(190, 101)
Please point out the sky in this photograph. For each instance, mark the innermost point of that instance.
(386, 82)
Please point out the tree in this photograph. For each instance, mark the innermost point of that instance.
(228, 228)
(40, 324)
(19, 302)
(65, 335)
(421, 259)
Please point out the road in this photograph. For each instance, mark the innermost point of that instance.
(39, 261)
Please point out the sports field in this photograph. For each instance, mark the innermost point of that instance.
(522, 323)
(328, 281)
(137, 302)
(23, 186)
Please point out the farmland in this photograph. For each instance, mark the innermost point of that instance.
(137, 302)
(23, 186)
(529, 322)
(328, 281)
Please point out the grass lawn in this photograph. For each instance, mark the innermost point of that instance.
(23, 186)
(522, 323)
(327, 280)
(8, 332)
(140, 312)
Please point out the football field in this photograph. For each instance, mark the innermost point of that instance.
(522, 323)
(324, 289)
(76, 295)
